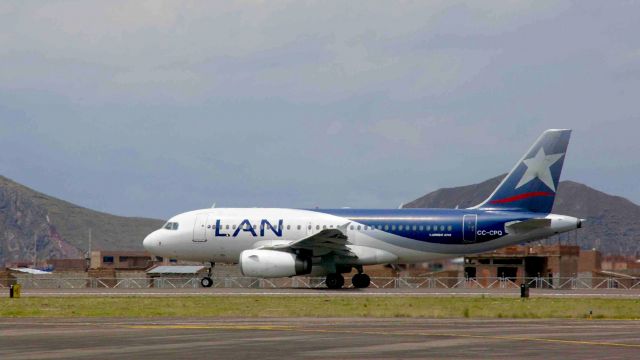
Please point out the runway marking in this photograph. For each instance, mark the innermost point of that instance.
(216, 327)
(327, 293)
(355, 332)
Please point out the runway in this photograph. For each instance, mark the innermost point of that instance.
(509, 292)
(279, 338)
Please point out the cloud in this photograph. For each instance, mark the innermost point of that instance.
(336, 49)
(290, 103)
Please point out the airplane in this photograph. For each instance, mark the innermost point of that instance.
(275, 242)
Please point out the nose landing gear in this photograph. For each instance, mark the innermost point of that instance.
(206, 281)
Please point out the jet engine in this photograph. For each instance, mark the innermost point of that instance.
(273, 264)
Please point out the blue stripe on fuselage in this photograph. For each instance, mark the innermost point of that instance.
(490, 224)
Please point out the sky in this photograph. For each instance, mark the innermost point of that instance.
(151, 108)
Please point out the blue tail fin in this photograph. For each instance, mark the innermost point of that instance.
(532, 184)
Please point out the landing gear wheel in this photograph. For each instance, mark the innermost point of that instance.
(361, 281)
(334, 281)
(206, 282)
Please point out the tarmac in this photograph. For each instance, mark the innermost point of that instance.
(497, 292)
(278, 338)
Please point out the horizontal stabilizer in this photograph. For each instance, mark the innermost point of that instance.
(517, 227)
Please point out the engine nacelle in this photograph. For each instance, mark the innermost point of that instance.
(273, 264)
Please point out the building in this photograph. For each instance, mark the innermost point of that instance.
(622, 264)
(176, 276)
(549, 262)
(7, 278)
(589, 261)
(67, 264)
(123, 260)
(185, 271)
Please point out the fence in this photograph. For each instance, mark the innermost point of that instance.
(570, 283)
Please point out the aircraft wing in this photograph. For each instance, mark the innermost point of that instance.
(324, 242)
(527, 225)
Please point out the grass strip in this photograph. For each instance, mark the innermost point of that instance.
(292, 306)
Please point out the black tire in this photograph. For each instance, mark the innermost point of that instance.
(206, 282)
(361, 281)
(334, 281)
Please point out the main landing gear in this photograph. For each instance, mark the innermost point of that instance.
(334, 281)
(359, 280)
(206, 281)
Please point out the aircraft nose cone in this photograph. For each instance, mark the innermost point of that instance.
(148, 242)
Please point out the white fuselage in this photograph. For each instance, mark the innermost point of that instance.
(221, 235)
(289, 242)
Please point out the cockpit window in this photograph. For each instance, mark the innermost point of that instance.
(171, 226)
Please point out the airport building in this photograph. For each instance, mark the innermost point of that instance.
(542, 265)
(121, 260)
(524, 261)
(551, 263)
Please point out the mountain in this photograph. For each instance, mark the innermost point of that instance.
(60, 229)
(612, 225)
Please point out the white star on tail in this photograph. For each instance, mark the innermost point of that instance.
(539, 167)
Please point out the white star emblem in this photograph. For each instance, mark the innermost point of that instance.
(539, 167)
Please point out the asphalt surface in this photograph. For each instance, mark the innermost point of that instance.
(101, 292)
(97, 338)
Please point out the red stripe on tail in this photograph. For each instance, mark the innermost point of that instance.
(522, 196)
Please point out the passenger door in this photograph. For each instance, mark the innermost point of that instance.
(200, 228)
(469, 225)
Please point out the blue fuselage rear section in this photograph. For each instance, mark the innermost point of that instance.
(438, 226)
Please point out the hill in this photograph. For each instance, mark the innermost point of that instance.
(60, 229)
(612, 225)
